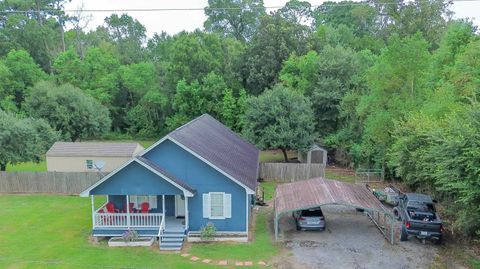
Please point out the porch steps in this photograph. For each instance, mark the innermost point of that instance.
(172, 240)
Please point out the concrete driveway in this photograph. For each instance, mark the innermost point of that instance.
(351, 240)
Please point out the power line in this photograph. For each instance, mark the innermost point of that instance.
(203, 8)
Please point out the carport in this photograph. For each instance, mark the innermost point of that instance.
(317, 192)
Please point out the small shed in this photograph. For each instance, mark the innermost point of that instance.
(90, 156)
(315, 154)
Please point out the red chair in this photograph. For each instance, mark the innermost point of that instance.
(131, 205)
(145, 207)
(111, 208)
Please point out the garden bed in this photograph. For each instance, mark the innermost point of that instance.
(140, 242)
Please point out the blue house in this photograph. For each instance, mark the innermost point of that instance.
(200, 173)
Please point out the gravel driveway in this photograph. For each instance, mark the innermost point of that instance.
(351, 240)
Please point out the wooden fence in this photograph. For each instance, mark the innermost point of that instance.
(289, 172)
(47, 182)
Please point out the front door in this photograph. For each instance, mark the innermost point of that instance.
(179, 206)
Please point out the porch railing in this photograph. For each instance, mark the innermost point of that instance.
(121, 219)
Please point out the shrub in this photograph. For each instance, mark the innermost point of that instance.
(208, 231)
(130, 235)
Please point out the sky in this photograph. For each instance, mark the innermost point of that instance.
(173, 22)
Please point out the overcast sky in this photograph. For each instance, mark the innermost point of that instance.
(173, 22)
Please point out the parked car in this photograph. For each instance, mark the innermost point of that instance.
(419, 217)
(309, 219)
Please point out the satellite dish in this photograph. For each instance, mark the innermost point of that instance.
(99, 164)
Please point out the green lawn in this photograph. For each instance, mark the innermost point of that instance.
(275, 156)
(269, 189)
(339, 176)
(28, 167)
(260, 249)
(41, 231)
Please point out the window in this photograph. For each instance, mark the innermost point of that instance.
(89, 164)
(217, 205)
(137, 200)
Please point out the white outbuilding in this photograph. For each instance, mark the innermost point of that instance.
(90, 156)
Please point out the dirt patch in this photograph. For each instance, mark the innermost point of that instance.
(351, 240)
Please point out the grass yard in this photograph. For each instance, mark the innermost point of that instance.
(260, 249)
(275, 155)
(269, 189)
(339, 175)
(41, 231)
(28, 167)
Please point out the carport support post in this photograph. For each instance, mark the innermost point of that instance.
(275, 224)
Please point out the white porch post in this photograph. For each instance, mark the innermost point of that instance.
(163, 206)
(186, 212)
(93, 210)
(128, 211)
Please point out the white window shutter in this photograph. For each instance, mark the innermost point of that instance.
(227, 205)
(133, 199)
(206, 205)
(152, 200)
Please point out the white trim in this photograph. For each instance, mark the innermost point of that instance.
(209, 163)
(247, 216)
(128, 211)
(186, 213)
(86, 192)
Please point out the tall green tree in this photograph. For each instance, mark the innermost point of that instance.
(129, 35)
(279, 118)
(23, 139)
(24, 73)
(238, 19)
(276, 39)
(68, 110)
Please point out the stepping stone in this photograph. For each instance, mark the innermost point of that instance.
(223, 262)
(185, 255)
(262, 263)
(206, 261)
(238, 263)
(194, 258)
(248, 263)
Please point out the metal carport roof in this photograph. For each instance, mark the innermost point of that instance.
(316, 192)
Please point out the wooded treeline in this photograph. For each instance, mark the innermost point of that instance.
(394, 84)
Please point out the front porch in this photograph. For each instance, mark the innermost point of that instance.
(149, 215)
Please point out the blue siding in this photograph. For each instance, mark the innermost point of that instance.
(118, 200)
(204, 179)
(135, 179)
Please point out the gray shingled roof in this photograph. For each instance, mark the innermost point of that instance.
(101, 149)
(157, 168)
(220, 146)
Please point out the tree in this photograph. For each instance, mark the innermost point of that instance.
(229, 109)
(129, 35)
(24, 74)
(238, 19)
(276, 39)
(192, 100)
(23, 140)
(279, 118)
(325, 78)
(147, 118)
(68, 110)
(297, 12)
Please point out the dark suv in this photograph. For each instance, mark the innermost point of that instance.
(309, 219)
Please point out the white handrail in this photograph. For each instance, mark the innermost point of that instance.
(161, 230)
(136, 219)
